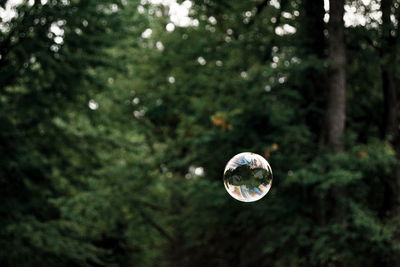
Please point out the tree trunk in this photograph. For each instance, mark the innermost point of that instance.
(336, 104)
(388, 68)
(313, 45)
(390, 130)
(313, 26)
(336, 108)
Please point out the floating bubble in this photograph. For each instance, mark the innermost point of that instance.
(247, 177)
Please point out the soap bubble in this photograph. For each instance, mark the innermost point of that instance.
(247, 177)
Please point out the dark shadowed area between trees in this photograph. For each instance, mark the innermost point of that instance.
(118, 117)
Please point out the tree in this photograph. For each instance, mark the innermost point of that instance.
(314, 49)
(54, 150)
(336, 109)
(118, 120)
(389, 47)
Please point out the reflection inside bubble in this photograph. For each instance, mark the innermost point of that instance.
(247, 177)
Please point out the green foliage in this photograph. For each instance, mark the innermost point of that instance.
(103, 131)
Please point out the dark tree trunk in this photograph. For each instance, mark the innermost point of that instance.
(336, 108)
(336, 103)
(388, 56)
(390, 100)
(388, 52)
(313, 27)
(390, 129)
(313, 44)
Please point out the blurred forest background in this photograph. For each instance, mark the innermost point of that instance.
(118, 117)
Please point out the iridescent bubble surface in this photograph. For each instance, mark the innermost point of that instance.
(247, 177)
